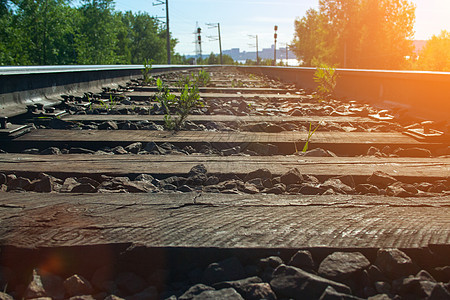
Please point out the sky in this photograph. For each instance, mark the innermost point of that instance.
(240, 18)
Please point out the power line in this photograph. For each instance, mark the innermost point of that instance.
(257, 56)
(166, 2)
(217, 25)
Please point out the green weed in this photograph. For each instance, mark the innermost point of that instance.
(325, 76)
(310, 134)
(148, 65)
(181, 106)
(203, 78)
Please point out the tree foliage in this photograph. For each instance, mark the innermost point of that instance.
(435, 56)
(50, 32)
(356, 34)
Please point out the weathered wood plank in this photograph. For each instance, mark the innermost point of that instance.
(169, 164)
(148, 95)
(223, 118)
(322, 138)
(29, 220)
(225, 90)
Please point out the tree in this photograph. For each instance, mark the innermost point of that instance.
(49, 32)
(356, 33)
(39, 32)
(96, 36)
(435, 56)
(309, 44)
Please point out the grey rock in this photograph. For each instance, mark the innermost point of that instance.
(168, 187)
(277, 189)
(397, 190)
(231, 151)
(228, 293)
(386, 150)
(113, 297)
(409, 286)
(274, 128)
(413, 152)
(82, 297)
(150, 293)
(149, 147)
(51, 151)
(250, 188)
(194, 291)
(31, 151)
(380, 297)
(263, 149)
(366, 188)
(291, 282)
(331, 294)
(238, 285)
(76, 150)
(382, 287)
(395, 263)
(119, 150)
(91, 181)
(44, 285)
(347, 180)
(292, 176)
(185, 189)
(76, 285)
(4, 296)
(260, 173)
(439, 292)
(197, 175)
(3, 178)
(61, 124)
(256, 291)
(130, 283)
(424, 275)
(340, 266)
(296, 112)
(83, 188)
(46, 184)
(226, 270)
(311, 189)
(69, 184)
(20, 183)
(212, 180)
(108, 125)
(302, 260)
(257, 182)
(373, 151)
(317, 152)
(381, 179)
(134, 148)
(337, 185)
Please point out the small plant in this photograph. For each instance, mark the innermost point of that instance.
(148, 65)
(203, 78)
(182, 106)
(325, 77)
(236, 83)
(310, 134)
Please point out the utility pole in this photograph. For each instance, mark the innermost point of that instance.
(198, 42)
(216, 25)
(257, 55)
(287, 53)
(275, 46)
(166, 2)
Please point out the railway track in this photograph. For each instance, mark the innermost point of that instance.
(99, 174)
